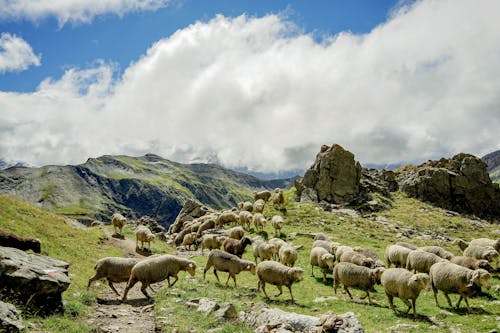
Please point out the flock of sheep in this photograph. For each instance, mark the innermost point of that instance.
(353, 267)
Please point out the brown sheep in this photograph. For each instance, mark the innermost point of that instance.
(236, 247)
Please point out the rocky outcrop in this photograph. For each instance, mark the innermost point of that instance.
(32, 280)
(10, 319)
(460, 183)
(190, 211)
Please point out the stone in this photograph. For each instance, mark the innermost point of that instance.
(226, 312)
(33, 280)
(190, 210)
(207, 306)
(10, 319)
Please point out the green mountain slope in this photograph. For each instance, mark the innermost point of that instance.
(137, 186)
(492, 160)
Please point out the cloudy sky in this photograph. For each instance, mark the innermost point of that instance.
(256, 84)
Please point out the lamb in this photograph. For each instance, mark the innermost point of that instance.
(321, 258)
(263, 195)
(158, 268)
(227, 217)
(245, 219)
(190, 239)
(471, 263)
(357, 259)
(246, 206)
(421, 261)
(114, 269)
(398, 282)
(396, 254)
(226, 262)
(277, 222)
(288, 255)
(9, 239)
(236, 233)
(327, 245)
(259, 222)
(407, 245)
(236, 247)
(279, 275)
(437, 250)
(485, 242)
(480, 252)
(359, 277)
(452, 278)
(211, 241)
(118, 221)
(264, 251)
(143, 235)
(258, 206)
(321, 236)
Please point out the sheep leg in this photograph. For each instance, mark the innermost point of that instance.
(175, 280)
(131, 282)
(391, 301)
(448, 299)
(150, 287)
(281, 291)
(234, 278)
(408, 304)
(435, 291)
(113, 287)
(335, 285)
(324, 275)
(414, 305)
(229, 275)
(312, 270)
(263, 285)
(367, 295)
(92, 279)
(347, 291)
(143, 289)
(215, 272)
(290, 289)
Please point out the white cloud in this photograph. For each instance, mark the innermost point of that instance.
(74, 11)
(256, 93)
(16, 54)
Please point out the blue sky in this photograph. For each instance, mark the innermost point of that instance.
(253, 85)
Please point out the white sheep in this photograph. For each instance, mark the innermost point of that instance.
(206, 223)
(227, 217)
(359, 277)
(277, 223)
(226, 262)
(259, 221)
(279, 275)
(288, 255)
(114, 269)
(421, 261)
(328, 245)
(321, 258)
(278, 243)
(258, 206)
(118, 221)
(245, 219)
(235, 232)
(461, 243)
(398, 282)
(264, 251)
(396, 254)
(437, 250)
(156, 269)
(144, 235)
(485, 242)
(262, 195)
(480, 252)
(211, 241)
(472, 263)
(357, 258)
(370, 253)
(278, 198)
(321, 236)
(407, 245)
(245, 206)
(452, 278)
(339, 250)
(189, 240)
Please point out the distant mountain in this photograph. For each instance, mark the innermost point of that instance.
(135, 186)
(492, 161)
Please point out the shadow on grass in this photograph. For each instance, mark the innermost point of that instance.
(409, 315)
(464, 311)
(319, 279)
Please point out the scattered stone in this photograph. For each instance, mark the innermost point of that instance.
(207, 306)
(400, 328)
(325, 299)
(226, 312)
(10, 319)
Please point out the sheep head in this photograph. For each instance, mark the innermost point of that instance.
(480, 278)
(297, 273)
(250, 267)
(191, 268)
(420, 280)
(484, 264)
(376, 274)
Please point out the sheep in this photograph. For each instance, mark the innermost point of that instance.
(278, 198)
(396, 254)
(264, 251)
(245, 219)
(278, 242)
(9, 239)
(226, 262)
(321, 258)
(437, 250)
(236, 247)
(471, 263)
(259, 221)
(114, 269)
(407, 245)
(143, 235)
(339, 250)
(190, 239)
(485, 242)
(321, 236)
(118, 221)
(452, 278)
(277, 222)
(421, 261)
(398, 282)
(258, 206)
(208, 223)
(279, 275)
(327, 245)
(359, 277)
(156, 269)
(211, 241)
(246, 206)
(287, 255)
(370, 254)
(480, 252)
(461, 243)
(263, 195)
(227, 217)
(357, 258)
(235, 232)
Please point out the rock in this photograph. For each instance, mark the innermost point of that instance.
(151, 223)
(10, 319)
(403, 328)
(207, 306)
(226, 312)
(33, 280)
(190, 210)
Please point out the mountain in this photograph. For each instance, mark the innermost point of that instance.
(492, 161)
(135, 186)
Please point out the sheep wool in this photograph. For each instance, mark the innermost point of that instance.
(277, 274)
(359, 277)
(226, 262)
(114, 269)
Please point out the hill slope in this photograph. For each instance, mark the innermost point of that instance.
(137, 186)
(492, 160)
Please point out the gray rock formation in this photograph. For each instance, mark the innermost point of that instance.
(460, 183)
(190, 210)
(10, 319)
(32, 280)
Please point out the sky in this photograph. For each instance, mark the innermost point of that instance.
(255, 85)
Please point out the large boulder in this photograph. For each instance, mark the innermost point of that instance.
(32, 280)
(190, 210)
(460, 183)
(10, 319)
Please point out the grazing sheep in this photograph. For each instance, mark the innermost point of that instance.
(357, 258)
(278, 198)
(263, 195)
(259, 221)
(452, 278)
(327, 245)
(398, 282)
(156, 269)
(370, 253)
(114, 269)
(236, 247)
(277, 222)
(321, 258)
(227, 218)
(208, 223)
(245, 219)
(118, 221)
(9, 239)
(246, 206)
(339, 250)
(226, 262)
(211, 241)
(437, 250)
(320, 236)
(288, 255)
(359, 277)
(278, 243)
(258, 206)
(480, 252)
(279, 275)
(461, 243)
(236, 233)
(190, 239)
(407, 245)
(396, 254)
(144, 235)
(485, 242)
(472, 263)
(264, 251)
(421, 261)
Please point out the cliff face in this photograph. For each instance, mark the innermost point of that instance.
(492, 161)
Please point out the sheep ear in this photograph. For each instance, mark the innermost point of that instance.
(190, 265)
(248, 266)
(413, 278)
(475, 276)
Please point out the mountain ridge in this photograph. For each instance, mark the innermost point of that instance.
(492, 161)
